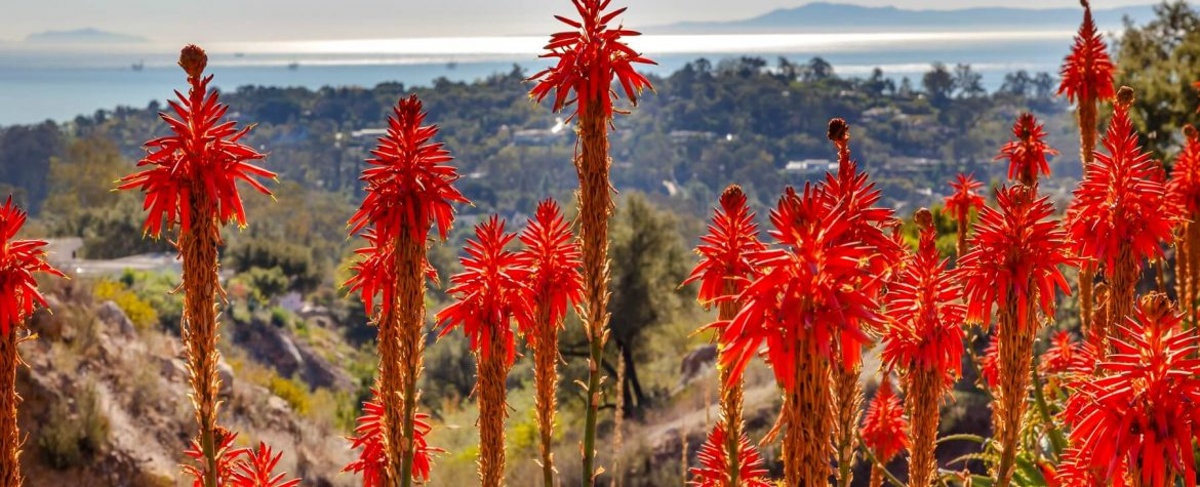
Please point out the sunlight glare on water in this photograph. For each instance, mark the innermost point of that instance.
(652, 44)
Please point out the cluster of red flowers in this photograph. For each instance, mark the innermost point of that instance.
(20, 260)
(728, 251)
(1121, 200)
(492, 289)
(714, 462)
(200, 162)
(925, 332)
(1087, 72)
(1027, 154)
(552, 256)
(589, 58)
(1016, 249)
(1141, 411)
(240, 467)
(371, 463)
(410, 187)
(800, 296)
(884, 429)
(964, 198)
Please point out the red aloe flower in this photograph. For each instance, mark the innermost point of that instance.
(409, 186)
(19, 295)
(19, 261)
(491, 289)
(990, 368)
(1183, 192)
(727, 264)
(714, 463)
(375, 272)
(1121, 200)
(964, 199)
(372, 459)
(200, 162)
(1183, 189)
(492, 293)
(1013, 264)
(925, 332)
(960, 203)
(1120, 214)
(409, 190)
(801, 303)
(1143, 408)
(852, 194)
(226, 458)
(553, 256)
(923, 340)
(1027, 154)
(1016, 252)
(1066, 356)
(257, 469)
(589, 57)
(799, 292)
(1087, 72)
(884, 428)
(728, 250)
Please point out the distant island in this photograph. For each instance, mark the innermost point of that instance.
(828, 17)
(85, 35)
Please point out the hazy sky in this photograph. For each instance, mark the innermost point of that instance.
(238, 20)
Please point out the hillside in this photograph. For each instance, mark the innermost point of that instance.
(836, 17)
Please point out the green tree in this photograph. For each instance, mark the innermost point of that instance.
(25, 152)
(82, 179)
(648, 264)
(938, 84)
(1160, 61)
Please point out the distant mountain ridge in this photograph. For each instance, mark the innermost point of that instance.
(829, 17)
(85, 35)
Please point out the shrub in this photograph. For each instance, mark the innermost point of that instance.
(72, 439)
(292, 391)
(140, 312)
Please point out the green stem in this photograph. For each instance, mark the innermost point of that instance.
(1057, 440)
(882, 468)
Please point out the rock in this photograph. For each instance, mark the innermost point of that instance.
(695, 362)
(173, 368)
(115, 317)
(47, 324)
(277, 347)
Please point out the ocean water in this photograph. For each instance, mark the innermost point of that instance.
(60, 82)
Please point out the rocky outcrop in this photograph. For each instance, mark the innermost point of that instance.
(290, 357)
(91, 367)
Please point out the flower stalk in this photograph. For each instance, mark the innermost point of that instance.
(1087, 80)
(726, 266)
(552, 255)
(1183, 191)
(590, 58)
(492, 292)
(924, 341)
(190, 182)
(851, 191)
(409, 190)
(884, 431)
(1014, 265)
(20, 260)
(1121, 214)
(960, 203)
